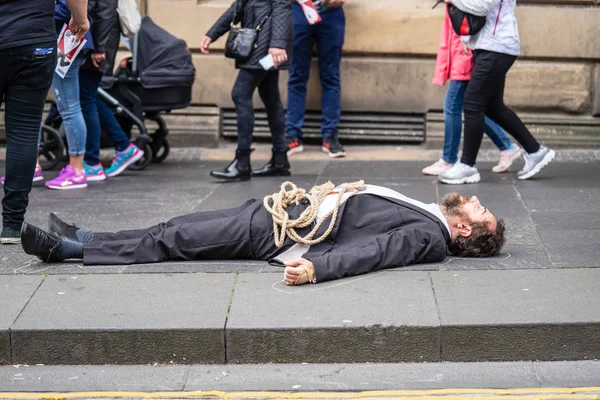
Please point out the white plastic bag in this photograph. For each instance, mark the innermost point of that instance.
(129, 17)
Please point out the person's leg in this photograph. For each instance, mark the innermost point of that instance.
(242, 236)
(497, 135)
(89, 82)
(268, 90)
(453, 109)
(243, 90)
(504, 116)
(24, 84)
(453, 106)
(487, 81)
(299, 72)
(330, 39)
(66, 93)
(188, 218)
(111, 126)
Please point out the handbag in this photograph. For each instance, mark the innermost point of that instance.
(242, 41)
(129, 17)
(463, 23)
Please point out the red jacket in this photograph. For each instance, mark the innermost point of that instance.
(451, 63)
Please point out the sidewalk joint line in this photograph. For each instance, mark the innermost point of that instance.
(439, 314)
(237, 275)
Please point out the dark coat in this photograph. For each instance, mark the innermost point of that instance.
(376, 233)
(277, 31)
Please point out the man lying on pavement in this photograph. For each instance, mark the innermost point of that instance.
(327, 233)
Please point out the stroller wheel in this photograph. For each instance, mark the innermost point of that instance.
(51, 149)
(160, 150)
(145, 160)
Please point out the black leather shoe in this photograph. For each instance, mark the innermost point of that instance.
(278, 165)
(61, 228)
(43, 245)
(238, 170)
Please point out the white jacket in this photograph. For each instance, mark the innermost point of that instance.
(501, 32)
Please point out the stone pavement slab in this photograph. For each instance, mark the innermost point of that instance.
(554, 315)
(573, 248)
(15, 292)
(568, 373)
(126, 319)
(366, 318)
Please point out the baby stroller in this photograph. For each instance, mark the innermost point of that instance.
(157, 79)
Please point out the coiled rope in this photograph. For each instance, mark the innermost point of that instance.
(289, 194)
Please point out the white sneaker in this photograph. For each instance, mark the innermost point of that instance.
(507, 157)
(437, 168)
(460, 173)
(534, 162)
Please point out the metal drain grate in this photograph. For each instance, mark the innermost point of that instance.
(361, 126)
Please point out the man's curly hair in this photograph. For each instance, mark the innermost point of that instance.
(482, 242)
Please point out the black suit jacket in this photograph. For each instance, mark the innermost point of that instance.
(375, 233)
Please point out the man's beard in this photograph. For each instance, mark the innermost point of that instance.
(452, 205)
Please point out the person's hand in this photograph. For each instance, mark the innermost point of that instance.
(447, 1)
(465, 49)
(336, 3)
(205, 45)
(123, 63)
(298, 272)
(97, 58)
(79, 26)
(279, 56)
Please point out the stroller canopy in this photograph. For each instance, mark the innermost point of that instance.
(162, 59)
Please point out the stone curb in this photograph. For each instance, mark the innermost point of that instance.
(437, 316)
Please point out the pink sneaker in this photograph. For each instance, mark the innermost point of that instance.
(37, 175)
(507, 157)
(68, 179)
(436, 168)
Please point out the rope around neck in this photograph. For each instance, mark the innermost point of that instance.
(289, 194)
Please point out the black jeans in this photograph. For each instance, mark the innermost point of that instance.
(24, 82)
(485, 96)
(268, 88)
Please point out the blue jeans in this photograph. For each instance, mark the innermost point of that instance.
(453, 109)
(24, 82)
(66, 93)
(329, 35)
(97, 115)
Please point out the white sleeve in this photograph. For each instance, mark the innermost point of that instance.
(475, 7)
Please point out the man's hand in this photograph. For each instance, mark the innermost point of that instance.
(279, 56)
(298, 272)
(336, 3)
(205, 45)
(97, 58)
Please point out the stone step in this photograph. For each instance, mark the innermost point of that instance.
(237, 318)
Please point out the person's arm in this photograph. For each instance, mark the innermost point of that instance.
(399, 248)
(475, 7)
(336, 3)
(219, 28)
(104, 17)
(79, 23)
(281, 25)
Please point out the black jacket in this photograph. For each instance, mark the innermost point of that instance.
(376, 233)
(276, 32)
(104, 24)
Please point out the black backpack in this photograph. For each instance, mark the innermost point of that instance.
(463, 23)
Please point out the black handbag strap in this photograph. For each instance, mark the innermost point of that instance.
(239, 11)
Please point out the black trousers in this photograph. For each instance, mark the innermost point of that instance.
(485, 96)
(245, 232)
(24, 82)
(267, 83)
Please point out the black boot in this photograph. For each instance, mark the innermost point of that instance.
(278, 165)
(238, 169)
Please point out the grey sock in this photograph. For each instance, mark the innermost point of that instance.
(84, 236)
(70, 249)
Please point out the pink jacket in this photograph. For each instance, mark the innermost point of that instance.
(451, 63)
